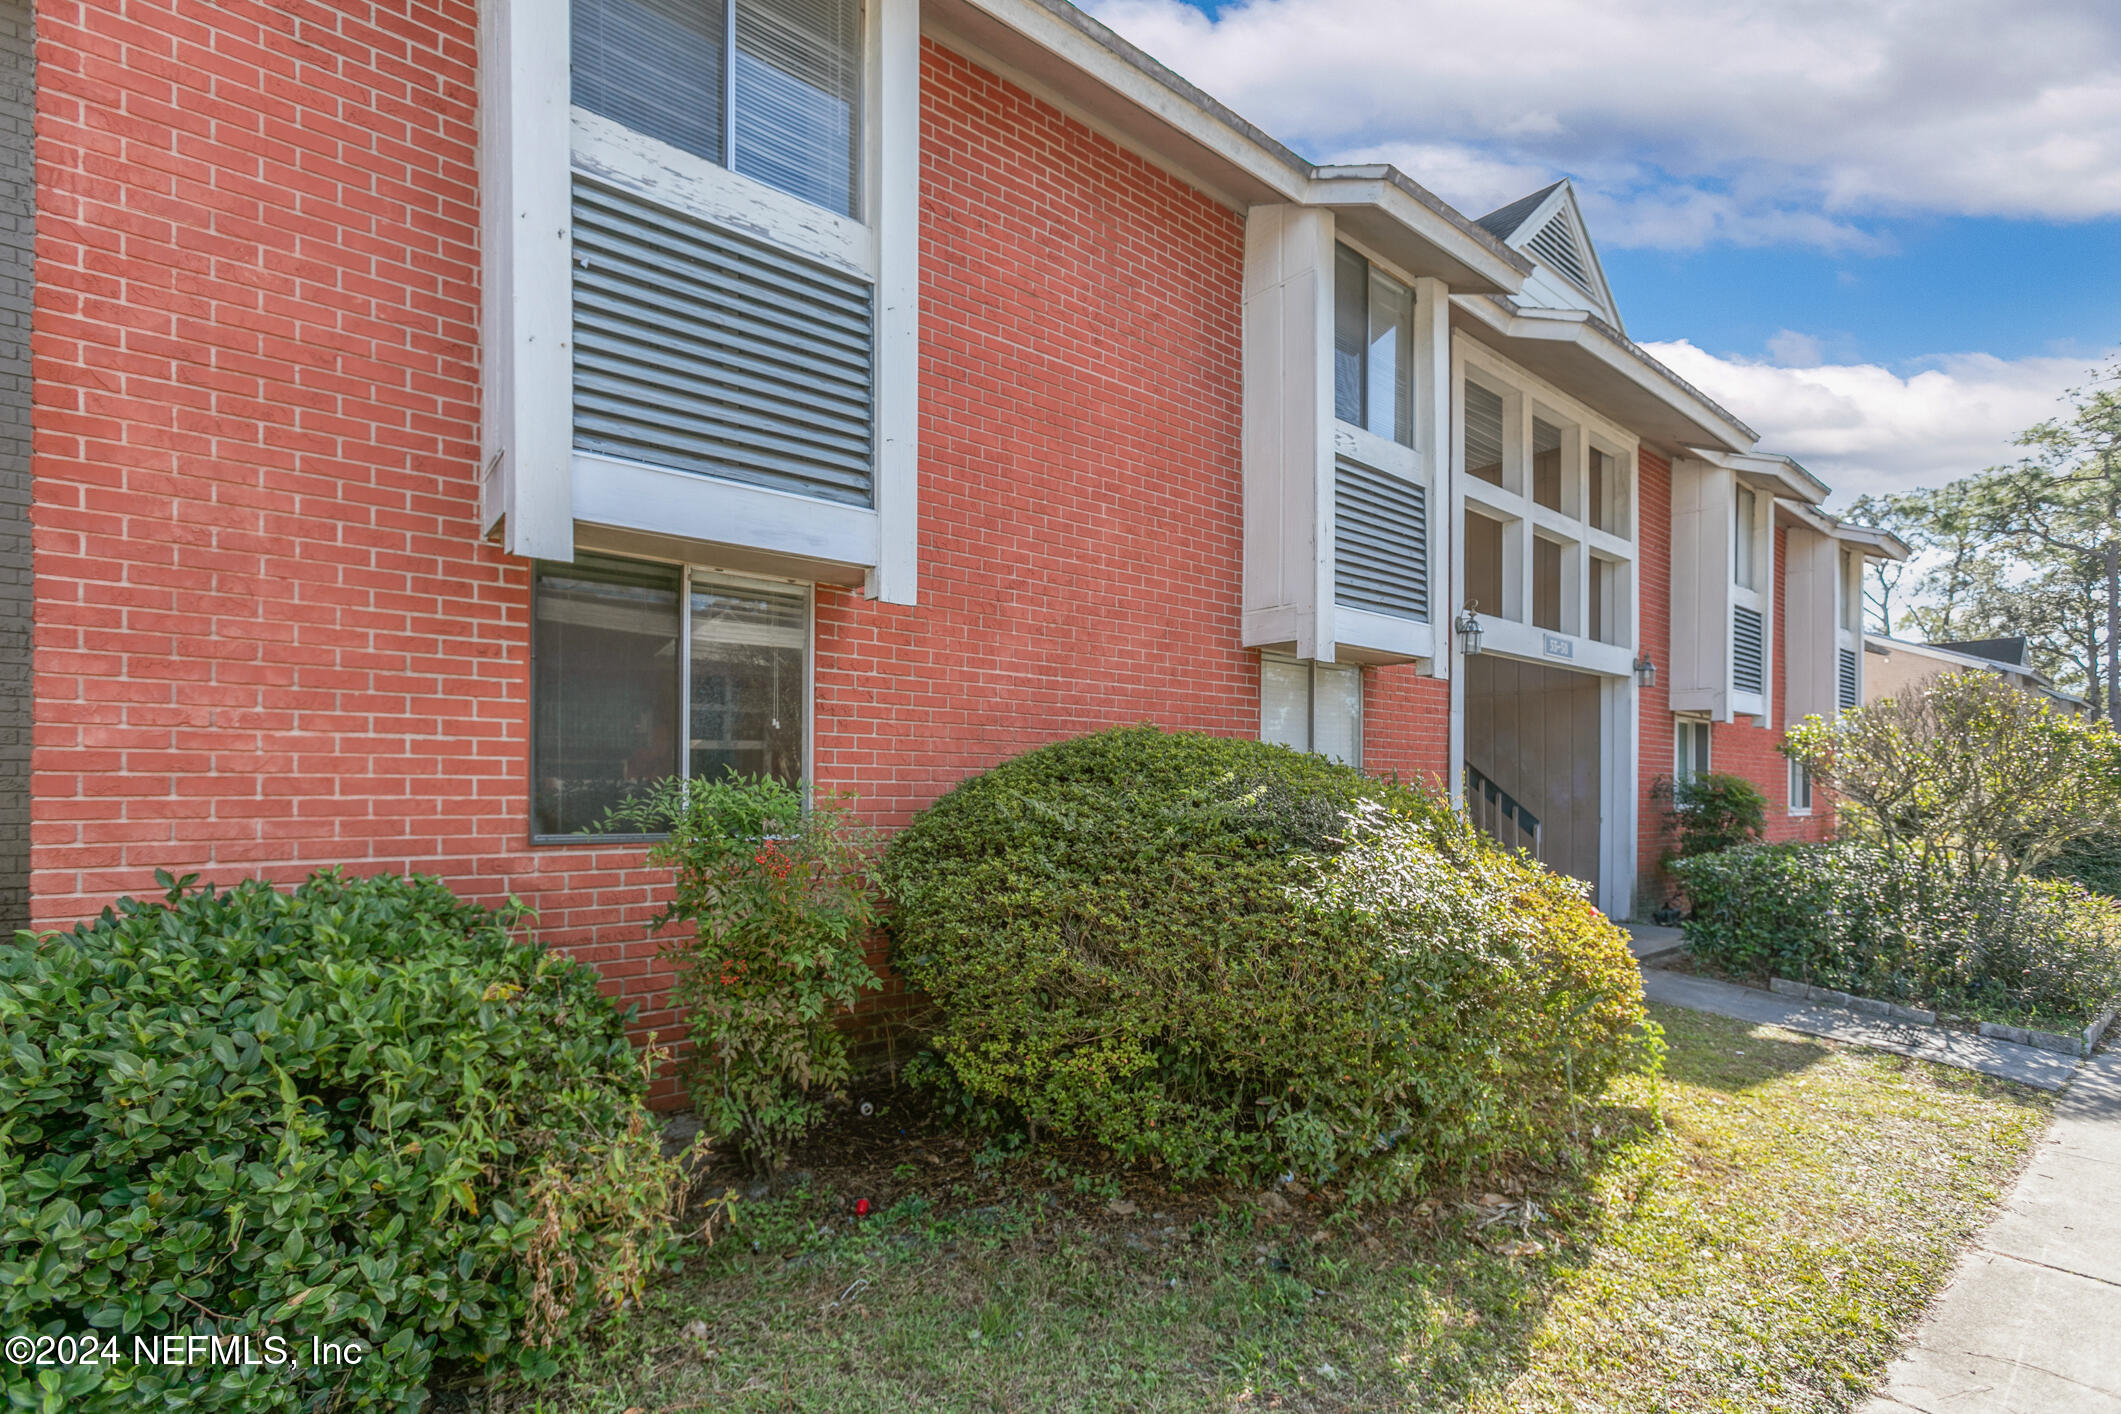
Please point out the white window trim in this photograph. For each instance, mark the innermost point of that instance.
(1791, 807)
(687, 569)
(528, 151)
(1525, 396)
(1707, 765)
(1312, 668)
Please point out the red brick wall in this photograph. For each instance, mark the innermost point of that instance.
(1081, 496)
(268, 637)
(1653, 751)
(1407, 725)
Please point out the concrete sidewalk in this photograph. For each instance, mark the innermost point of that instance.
(2031, 1320)
(2045, 1070)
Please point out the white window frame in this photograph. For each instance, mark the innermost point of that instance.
(1508, 627)
(683, 766)
(1314, 668)
(1702, 730)
(1799, 776)
(534, 488)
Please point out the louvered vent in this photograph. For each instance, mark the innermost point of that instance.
(1380, 542)
(1556, 244)
(1745, 649)
(701, 350)
(1847, 693)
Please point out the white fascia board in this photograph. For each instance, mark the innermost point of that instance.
(1875, 544)
(1599, 356)
(1808, 516)
(1063, 55)
(1361, 636)
(1415, 230)
(1773, 472)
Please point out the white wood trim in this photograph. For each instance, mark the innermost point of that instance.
(1477, 356)
(1509, 639)
(705, 510)
(1434, 433)
(526, 316)
(1360, 445)
(1288, 429)
(1366, 637)
(686, 182)
(894, 169)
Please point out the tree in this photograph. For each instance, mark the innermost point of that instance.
(2064, 498)
(1967, 774)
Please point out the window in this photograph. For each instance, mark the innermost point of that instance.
(1311, 706)
(623, 652)
(1742, 538)
(1373, 349)
(1800, 789)
(1851, 593)
(768, 88)
(1690, 757)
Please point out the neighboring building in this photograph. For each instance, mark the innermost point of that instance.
(857, 394)
(1900, 664)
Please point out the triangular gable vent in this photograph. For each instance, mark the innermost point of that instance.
(1556, 244)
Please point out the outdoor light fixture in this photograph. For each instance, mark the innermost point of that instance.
(1468, 626)
(1646, 671)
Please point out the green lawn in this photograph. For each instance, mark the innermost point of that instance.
(1765, 1251)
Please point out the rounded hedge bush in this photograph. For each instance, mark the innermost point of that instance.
(356, 1111)
(1230, 958)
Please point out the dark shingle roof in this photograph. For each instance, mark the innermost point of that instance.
(1503, 221)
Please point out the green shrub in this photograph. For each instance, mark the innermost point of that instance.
(1854, 917)
(781, 919)
(1714, 811)
(1968, 776)
(357, 1111)
(1228, 958)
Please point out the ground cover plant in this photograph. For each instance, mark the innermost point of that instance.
(1222, 957)
(773, 949)
(357, 1110)
(1765, 1250)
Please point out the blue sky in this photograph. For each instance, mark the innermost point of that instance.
(1887, 235)
(1934, 289)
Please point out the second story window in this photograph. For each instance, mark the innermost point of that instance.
(1742, 537)
(1373, 349)
(767, 88)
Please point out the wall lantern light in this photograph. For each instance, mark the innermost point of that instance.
(1468, 626)
(1646, 671)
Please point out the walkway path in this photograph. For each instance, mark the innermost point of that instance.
(2044, 1069)
(2031, 1322)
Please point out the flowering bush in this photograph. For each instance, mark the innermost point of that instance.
(780, 919)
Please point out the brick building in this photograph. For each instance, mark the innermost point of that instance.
(443, 415)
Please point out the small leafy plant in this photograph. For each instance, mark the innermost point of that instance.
(1713, 811)
(357, 1110)
(780, 917)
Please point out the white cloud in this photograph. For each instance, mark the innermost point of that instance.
(1862, 427)
(1692, 120)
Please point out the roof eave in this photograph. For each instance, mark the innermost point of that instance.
(1591, 360)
